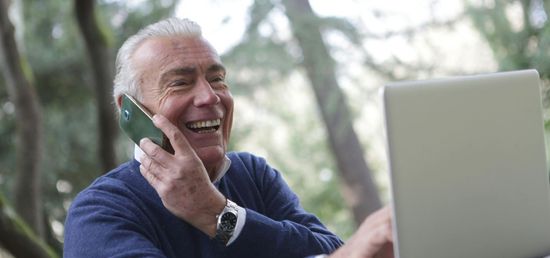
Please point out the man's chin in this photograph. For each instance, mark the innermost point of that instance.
(211, 157)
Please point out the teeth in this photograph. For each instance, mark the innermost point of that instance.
(204, 124)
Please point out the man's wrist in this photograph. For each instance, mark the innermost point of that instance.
(205, 221)
(226, 222)
(230, 223)
(241, 218)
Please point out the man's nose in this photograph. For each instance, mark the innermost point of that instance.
(204, 94)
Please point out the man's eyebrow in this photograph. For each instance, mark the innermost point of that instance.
(177, 71)
(216, 68)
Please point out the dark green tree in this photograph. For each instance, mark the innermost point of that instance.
(520, 41)
(65, 84)
(19, 82)
(273, 58)
(360, 190)
(99, 48)
(18, 238)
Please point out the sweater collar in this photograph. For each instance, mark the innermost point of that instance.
(138, 154)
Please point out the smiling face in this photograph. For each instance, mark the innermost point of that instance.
(183, 79)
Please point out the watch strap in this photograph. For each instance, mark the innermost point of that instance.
(226, 222)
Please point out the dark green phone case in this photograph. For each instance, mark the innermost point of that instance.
(136, 123)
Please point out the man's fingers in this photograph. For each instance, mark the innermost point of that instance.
(176, 137)
(154, 151)
(152, 167)
(372, 239)
(379, 237)
(386, 251)
(382, 214)
(149, 176)
(379, 217)
(382, 219)
(382, 234)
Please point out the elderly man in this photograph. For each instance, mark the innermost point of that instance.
(195, 200)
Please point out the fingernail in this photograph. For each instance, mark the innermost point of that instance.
(144, 140)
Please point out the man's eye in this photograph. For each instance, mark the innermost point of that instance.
(179, 83)
(218, 83)
(217, 79)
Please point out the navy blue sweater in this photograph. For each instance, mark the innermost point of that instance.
(121, 215)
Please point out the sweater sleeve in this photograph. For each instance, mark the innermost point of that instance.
(282, 226)
(103, 222)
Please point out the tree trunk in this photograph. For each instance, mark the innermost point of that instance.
(359, 190)
(100, 57)
(19, 78)
(17, 238)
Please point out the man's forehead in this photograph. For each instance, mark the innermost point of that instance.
(191, 70)
(163, 47)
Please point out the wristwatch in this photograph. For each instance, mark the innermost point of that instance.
(226, 222)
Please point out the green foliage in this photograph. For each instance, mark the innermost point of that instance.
(261, 61)
(260, 58)
(55, 39)
(509, 46)
(126, 21)
(10, 219)
(261, 67)
(281, 123)
(517, 43)
(56, 54)
(342, 26)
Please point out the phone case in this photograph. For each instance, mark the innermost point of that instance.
(136, 123)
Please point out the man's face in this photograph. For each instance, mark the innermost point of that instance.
(184, 80)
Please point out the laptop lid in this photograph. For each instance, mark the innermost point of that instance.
(468, 167)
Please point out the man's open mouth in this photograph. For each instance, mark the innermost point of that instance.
(205, 126)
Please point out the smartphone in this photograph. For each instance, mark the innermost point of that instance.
(136, 122)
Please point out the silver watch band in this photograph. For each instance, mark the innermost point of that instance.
(226, 222)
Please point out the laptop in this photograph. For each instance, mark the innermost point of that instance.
(468, 167)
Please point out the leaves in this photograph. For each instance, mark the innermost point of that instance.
(57, 56)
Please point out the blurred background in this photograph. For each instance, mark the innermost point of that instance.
(305, 75)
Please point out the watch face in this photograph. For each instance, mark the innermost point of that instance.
(228, 221)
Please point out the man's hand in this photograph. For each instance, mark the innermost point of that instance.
(181, 180)
(373, 239)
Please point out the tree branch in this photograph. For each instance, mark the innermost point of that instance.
(100, 57)
(19, 77)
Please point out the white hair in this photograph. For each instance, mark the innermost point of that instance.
(126, 79)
